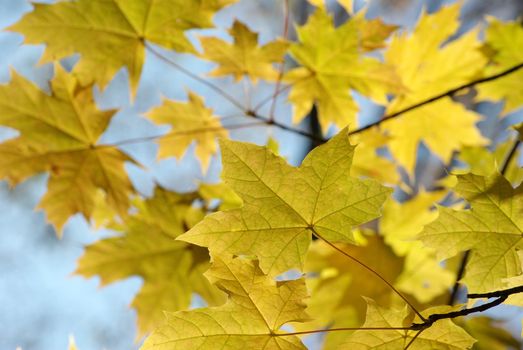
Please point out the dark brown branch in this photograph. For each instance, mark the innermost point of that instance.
(448, 93)
(497, 294)
(312, 137)
(463, 312)
(511, 154)
(459, 276)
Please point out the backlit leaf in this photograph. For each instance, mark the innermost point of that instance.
(59, 134)
(492, 229)
(191, 122)
(331, 65)
(284, 205)
(171, 270)
(504, 39)
(427, 68)
(111, 34)
(254, 313)
(442, 335)
(244, 57)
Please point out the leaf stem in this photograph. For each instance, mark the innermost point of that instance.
(344, 329)
(374, 272)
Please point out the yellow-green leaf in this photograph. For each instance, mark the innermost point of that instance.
(504, 39)
(171, 270)
(111, 34)
(422, 275)
(255, 311)
(284, 205)
(191, 122)
(331, 65)
(492, 229)
(442, 335)
(244, 57)
(59, 134)
(427, 69)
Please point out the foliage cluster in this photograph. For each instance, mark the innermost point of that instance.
(281, 252)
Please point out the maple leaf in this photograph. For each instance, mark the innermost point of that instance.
(443, 334)
(172, 271)
(492, 230)
(244, 57)
(111, 34)
(284, 205)
(366, 160)
(338, 286)
(422, 275)
(58, 134)
(489, 334)
(331, 64)
(191, 122)
(428, 68)
(504, 39)
(251, 319)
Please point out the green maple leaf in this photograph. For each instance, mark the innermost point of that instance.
(332, 64)
(284, 205)
(492, 229)
(251, 318)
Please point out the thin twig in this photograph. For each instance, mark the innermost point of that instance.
(438, 97)
(181, 133)
(496, 294)
(287, 14)
(195, 77)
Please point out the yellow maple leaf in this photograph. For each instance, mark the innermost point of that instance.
(504, 39)
(422, 275)
(111, 34)
(172, 271)
(251, 319)
(332, 63)
(337, 286)
(191, 122)
(492, 230)
(244, 57)
(443, 334)
(58, 134)
(284, 205)
(427, 69)
(368, 163)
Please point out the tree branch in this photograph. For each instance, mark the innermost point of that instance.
(448, 93)
(497, 294)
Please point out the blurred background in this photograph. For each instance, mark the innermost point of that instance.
(41, 302)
